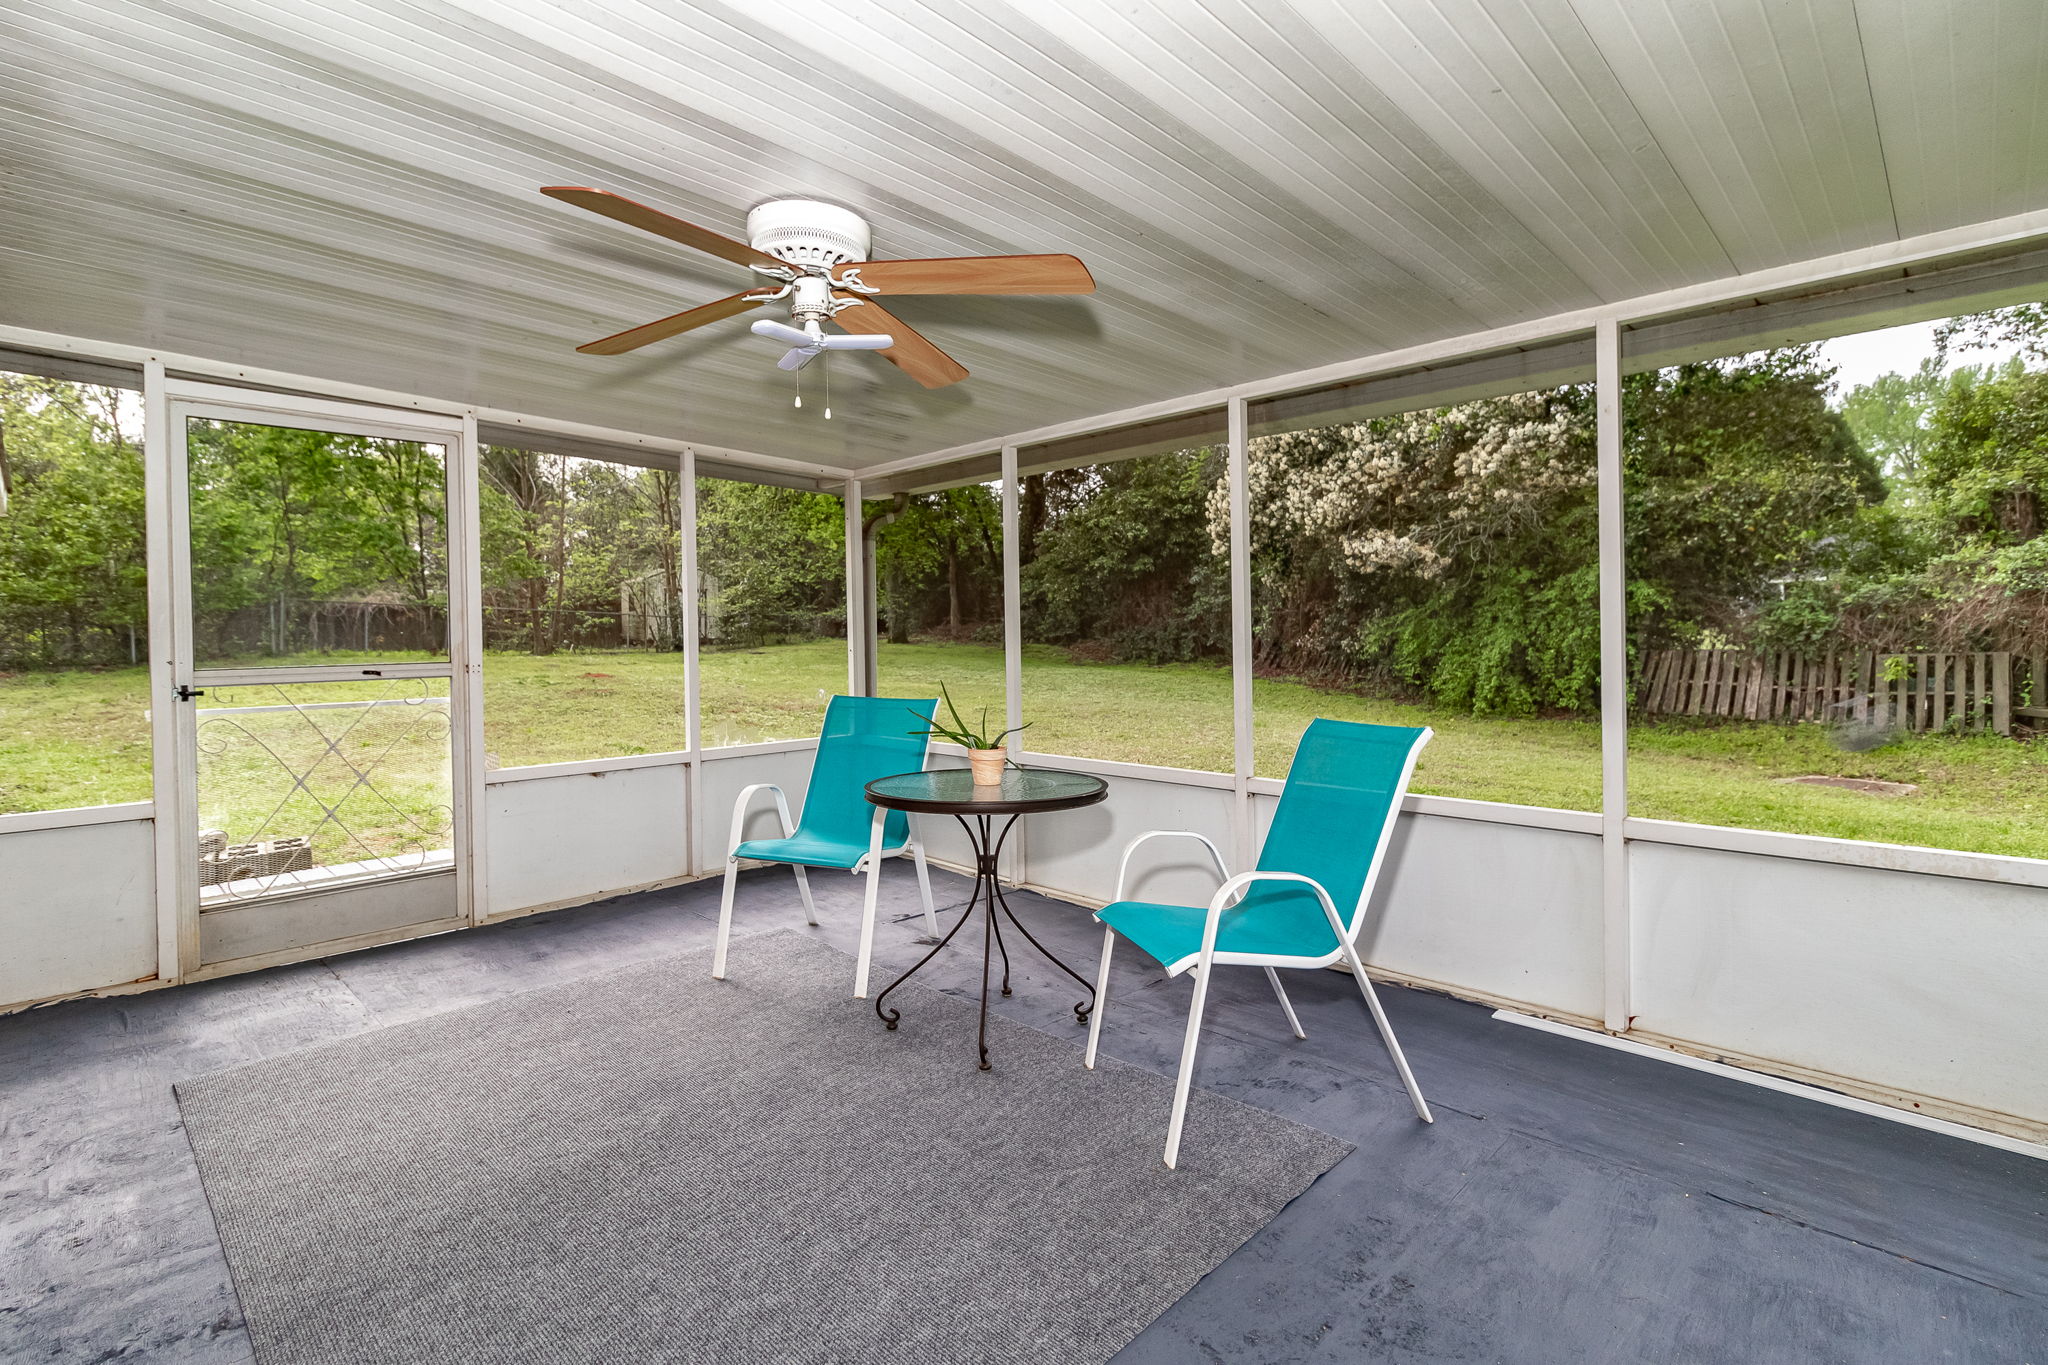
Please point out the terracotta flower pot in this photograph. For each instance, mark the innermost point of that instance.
(987, 765)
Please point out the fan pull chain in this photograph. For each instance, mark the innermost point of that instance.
(799, 388)
(826, 361)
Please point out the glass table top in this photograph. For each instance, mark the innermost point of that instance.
(952, 790)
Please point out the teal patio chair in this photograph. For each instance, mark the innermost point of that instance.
(1325, 849)
(864, 738)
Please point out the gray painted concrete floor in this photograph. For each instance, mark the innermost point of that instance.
(1570, 1204)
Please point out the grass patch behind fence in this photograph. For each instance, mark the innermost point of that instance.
(80, 738)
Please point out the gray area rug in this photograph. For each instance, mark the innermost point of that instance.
(652, 1166)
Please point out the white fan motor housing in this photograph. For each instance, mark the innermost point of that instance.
(807, 232)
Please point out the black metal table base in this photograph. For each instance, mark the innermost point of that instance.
(988, 894)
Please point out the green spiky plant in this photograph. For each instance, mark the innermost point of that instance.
(959, 732)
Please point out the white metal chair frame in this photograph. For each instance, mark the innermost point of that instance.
(1207, 958)
(870, 863)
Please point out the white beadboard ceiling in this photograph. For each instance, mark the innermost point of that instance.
(347, 189)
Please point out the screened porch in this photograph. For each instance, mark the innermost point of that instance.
(1628, 422)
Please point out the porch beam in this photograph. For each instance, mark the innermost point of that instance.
(174, 947)
(1617, 964)
(466, 657)
(1013, 650)
(860, 620)
(1239, 474)
(1013, 618)
(688, 621)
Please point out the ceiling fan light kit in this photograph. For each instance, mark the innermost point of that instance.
(815, 255)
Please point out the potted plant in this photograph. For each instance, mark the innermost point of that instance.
(986, 756)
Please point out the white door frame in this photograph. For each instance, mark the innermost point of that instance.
(168, 403)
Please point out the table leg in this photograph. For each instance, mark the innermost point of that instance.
(1081, 1010)
(997, 925)
(988, 893)
(988, 848)
(890, 1016)
(988, 936)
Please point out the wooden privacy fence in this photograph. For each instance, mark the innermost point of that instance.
(1924, 692)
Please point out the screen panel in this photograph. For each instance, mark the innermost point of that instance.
(1123, 539)
(583, 608)
(1424, 552)
(771, 566)
(939, 599)
(74, 606)
(1838, 584)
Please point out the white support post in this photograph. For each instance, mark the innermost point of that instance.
(1241, 822)
(466, 656)
(1013, 648)
(177, 933)
(1617, 967)
(693, 629)
(860, 622)
(1013, 592)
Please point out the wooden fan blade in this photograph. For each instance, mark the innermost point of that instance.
(663, 328)
(911, 352)
(659, 223)
(1057, 274)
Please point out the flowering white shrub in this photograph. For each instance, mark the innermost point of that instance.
(1413, 494)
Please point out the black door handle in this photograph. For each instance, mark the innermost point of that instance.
(188, 693)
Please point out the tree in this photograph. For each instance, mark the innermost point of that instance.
(1121, 557)
(1447, 549)
(568, 542)
(1986, 468)
(1454, 550)
(2024, 327)
(661, 493)
(772, 560)
(940, 561)
(1888, 416)
(289, 520)
(1948, 562)
(72, 561)
(282, 521)
(520, 489)
(1740, 477)
(1980, 579)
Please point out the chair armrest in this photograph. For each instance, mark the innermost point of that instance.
(1233, 890)
(875, 851)
(1124, 866)
(739, 813)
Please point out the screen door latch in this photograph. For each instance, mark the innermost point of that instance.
(186, 693)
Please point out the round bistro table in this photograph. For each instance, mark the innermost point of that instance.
(1024, 791)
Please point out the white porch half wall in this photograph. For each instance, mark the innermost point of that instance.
(1912, 989)
(568, 839)
(78, 908)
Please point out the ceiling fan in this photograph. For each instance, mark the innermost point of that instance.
(815, 255)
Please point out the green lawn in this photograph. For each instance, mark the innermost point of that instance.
(79, 738)
(73, 739)
(583, 705)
